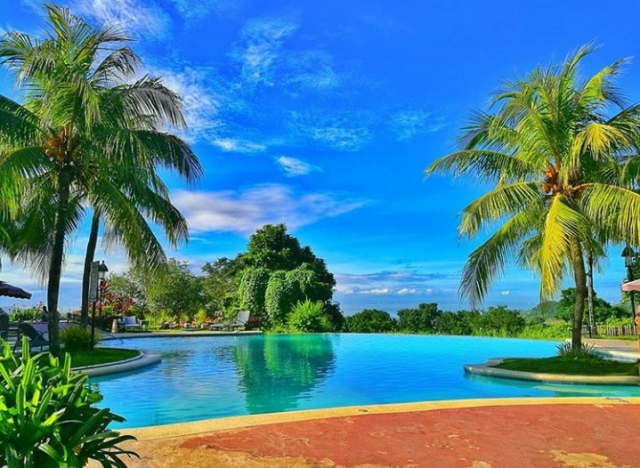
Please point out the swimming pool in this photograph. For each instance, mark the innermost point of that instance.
(212, 377)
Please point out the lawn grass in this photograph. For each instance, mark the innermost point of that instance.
(101, 356)
(591, 365)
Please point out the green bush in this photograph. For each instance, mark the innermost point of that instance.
(47, 418)
(309, 317)
(26, 315)
(585, 351)
(552, 331)
(78, 338)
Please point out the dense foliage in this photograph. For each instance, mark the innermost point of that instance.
(603, 311)
(371, 321)
(278, 273)
(48, 418)
(280, 299)
(429, 319)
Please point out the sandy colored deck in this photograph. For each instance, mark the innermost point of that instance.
(544, 433)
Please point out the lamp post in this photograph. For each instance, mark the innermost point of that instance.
(629, 260)
(101, 273)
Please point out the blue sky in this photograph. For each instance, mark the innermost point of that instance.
(324, 115)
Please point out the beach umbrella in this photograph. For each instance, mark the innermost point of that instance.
(12, 291)
(631, 286)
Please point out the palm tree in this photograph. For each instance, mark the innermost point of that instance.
(81, 131)
(562, 170)
(126, 222)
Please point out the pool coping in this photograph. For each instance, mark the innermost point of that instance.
(488, 370)
(167, 431)
(177, 334)
(144, 359)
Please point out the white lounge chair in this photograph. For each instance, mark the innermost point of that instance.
(241, 321)
(131, 323)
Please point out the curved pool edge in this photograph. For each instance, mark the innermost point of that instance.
(487, 370)
(145, 359)
(238, 422)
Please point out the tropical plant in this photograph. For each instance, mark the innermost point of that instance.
(84, 135)
(78, 338)
(562, 165)
(568, 351)
(48, 418)
(309, 317)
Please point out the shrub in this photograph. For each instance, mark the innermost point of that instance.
(78, 338)
(47, 418)
(308, 317)
(25, 315)
(585, 351)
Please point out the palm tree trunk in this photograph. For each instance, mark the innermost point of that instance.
(57, 257)
(580, 277)
(593, 331)
(88, 260)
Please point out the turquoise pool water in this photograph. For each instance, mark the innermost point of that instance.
(213, 377)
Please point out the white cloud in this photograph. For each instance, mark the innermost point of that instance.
(391, 282)
(244, 212)
(346, 139)
(409, 123)
(310, 70)
(201, 102)
(261, 45)
(505, 293)
(378, 292)
(198, 9)
(333, 128)
(137, 18)
(237, 145)
(205, 107)
(295, 167)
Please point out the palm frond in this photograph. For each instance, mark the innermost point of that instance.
(563, 224)
(501, 202)
(616, 208)
(490, 259)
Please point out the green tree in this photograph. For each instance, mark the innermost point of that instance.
(557, 158)
(502, 321)
(603, 311)
(371, 321)
(173, 289)
(220, 283)
(420, 320)
(277, 273)
(79, 134)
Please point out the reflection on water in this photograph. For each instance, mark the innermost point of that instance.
(275, 373)
(213, 377)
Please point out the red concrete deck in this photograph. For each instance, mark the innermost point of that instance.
(548, 435)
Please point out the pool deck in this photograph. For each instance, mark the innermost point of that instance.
(491, 433)
(507, 433)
